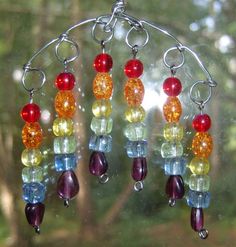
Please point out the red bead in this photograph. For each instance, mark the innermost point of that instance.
(65, 81)
(133, 68)
(202, 123)
(103, 63)
(31, 113)
(172, 86)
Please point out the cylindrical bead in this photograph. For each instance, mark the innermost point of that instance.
(101, 126)
(135, 131)
(102, 143)
(65, 162)
(171, 149)
(199, 183)
(65, 145)
(34, 192)
(197, 199)
(32, 174)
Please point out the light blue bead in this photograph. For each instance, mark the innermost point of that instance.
(197, 199)
(175, 166)
(65, 162)
(102, 143)
(65, 145)
(34, 192)
(136, 149)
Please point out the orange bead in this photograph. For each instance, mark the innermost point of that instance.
(134, 92)
(32, 135)
(172, 110)
(202, 144)
(102, 86)
(65, 104)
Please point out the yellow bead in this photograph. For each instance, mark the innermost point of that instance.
(199, 166)
(135, 114)
(172, 110)
(173, 132)
(32, 135)
(102, 86)
(102, 108)
(31, 157)
(202, 144)
(63, 127)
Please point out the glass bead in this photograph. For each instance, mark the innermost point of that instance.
(34, 214)
(172, 109)
(32, 174)
(202, 144)
(65, 145)
(101, 126)
(31, 157)
(135, 131)
(63, 127)
(103, 63)
(171, 150)
(173, 132)
(199, 166)
(197, 199)
(34, 192)
(102, 143)
(199, 183)
(65, 162)
(31, 113)
(139, 169)
(197, 219)
(134, 92)
(135, 114)
(202, 123)
(65, 81)
(102, 108)
(65, 104)
(175, 166)
(103, 86)
(133, 68)
(32, 135)
(98, 164)
(172, 86)
(175, 187)
(136, 149)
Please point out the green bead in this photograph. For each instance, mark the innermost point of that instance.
(63, 127)
(171, 150)
(135, 131)
(173, 132)
(102, 108)
(31, 157)
(101, 126)
(199, 183)
(32, 174)
(65, 145)
(135, 114)
(199, 166)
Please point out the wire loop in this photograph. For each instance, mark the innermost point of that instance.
(174, 67)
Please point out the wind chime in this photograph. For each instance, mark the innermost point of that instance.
(65, 145)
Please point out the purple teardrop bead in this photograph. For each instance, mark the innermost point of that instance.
(67, 185)
(34, 214)
(139, 171)
(175, 187)
(98, 164)
(197, 219)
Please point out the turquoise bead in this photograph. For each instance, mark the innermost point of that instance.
(101, 126)
(34, 192)
(100, 143)
(175, 166)
(136, 149)
(135, 131)
(171, 150)
(199, 183)
(32, 174)
(65, 162)
(197, 199)
(65, 145)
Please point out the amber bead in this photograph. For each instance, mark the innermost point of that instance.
(172, 110)
(32, 135)
(102, 86)
(134, 92)
(65, 104)
(202, 144)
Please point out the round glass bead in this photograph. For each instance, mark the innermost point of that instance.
(135, 131)
(64, 145)
(32, 135)
(31, 157)
(34, 192)
(103, 86)
(173, 132)
(63, 127)
(202, 144)
(30, 113)
(65, 104)
(65, 81)
(172, 109)
(199, 166)
(32, 174)
(199, 183)
(103, 63)
(202, 123)
(134, 92)
(135, 114)
(101, 126)
(133, 68)
(102, 108)
(172, 86)
(171, 150)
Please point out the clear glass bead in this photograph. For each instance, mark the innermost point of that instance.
(31, 157)
(173, 132)
(65, 145)
(32, 174)
(199, 183)
(65, 162)
(197, 199)
(102, 108)
(136, 149)
(199, 166)
(175, 166)
(171, 150)
(135, 114)
(34, 192)
(101, 126)
(135, 131)
(100, 143)
(63, 127)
